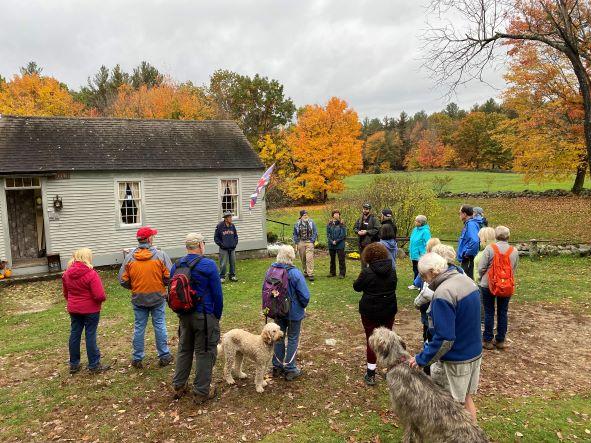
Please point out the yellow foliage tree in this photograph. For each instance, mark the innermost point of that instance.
(325, 148)
(166, 101)
(31, 94)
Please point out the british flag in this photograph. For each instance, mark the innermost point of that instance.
(263, 181)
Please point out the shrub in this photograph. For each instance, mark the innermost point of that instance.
(406, 196)
(441, 183)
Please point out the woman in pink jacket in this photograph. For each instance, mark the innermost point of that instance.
(84, 293)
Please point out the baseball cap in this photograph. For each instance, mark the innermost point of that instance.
(387, 212)
(303, 212)
(366, 206)
(145, 232)
(193, 239)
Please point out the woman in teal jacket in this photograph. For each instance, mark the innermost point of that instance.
(419, 237)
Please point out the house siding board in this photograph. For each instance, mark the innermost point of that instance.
(175, 203)
(4, 240)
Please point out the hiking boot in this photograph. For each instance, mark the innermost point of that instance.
(500, 344)
(370, 378)
(278, 372)
(489, 345)
(341, 276)
(74, 369)
(233, 278)
(137, 364)
(166, 360)
(179, 391)
(311, 278)
(100, 368)
(292, 375)
(199, 399)
(222, 279)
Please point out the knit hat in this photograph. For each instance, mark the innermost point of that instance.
(478, 210)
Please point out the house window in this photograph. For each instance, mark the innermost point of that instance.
(229, 196)
(22, 183)
(129, 203)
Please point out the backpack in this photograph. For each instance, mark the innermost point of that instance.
(500, 276)
(181, 298)
(276, 302)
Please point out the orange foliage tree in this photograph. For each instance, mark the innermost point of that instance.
(32, 94)
(546, 136)
(165, 101)
(430, 152)
(322, 149)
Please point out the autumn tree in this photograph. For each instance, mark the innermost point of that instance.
(546, 134)
(463, 39)
(31, 94)
(322, 148)
(166, 101)
(31, 68)
(256, 103)
(382, 151)
(430, 152)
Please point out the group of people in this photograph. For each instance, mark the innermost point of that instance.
(449, 299)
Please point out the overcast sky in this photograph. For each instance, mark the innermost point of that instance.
(364, 51)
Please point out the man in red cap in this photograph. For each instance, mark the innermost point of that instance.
(146, 271)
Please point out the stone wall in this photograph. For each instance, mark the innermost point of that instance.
(534, 248)
(516, 194)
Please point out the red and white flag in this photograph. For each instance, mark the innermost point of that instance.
(263, 181)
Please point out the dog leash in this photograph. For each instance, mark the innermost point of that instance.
(296, 349)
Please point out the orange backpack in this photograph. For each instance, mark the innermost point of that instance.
(500, 276)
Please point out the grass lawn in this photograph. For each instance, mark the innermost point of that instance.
(471, 181)
(539, 387)
(561, 219)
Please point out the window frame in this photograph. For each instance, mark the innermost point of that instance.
(237, 210)
(16, 188)
(142, 200)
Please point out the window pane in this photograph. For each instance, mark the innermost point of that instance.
(10, 183)
(129, 202)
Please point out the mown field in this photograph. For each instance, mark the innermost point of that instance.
(539, 387)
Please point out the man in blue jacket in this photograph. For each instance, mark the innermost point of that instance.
(305, 234)
(455, 349)
(226, 237)
(199, 331)
(469, 242)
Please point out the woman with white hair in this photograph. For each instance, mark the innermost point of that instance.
(455, 349)
(419, 237)
(284, 363)
(84, 294)
(498, 254)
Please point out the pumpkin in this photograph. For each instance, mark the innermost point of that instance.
(7, 273)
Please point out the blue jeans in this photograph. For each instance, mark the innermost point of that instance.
(227, 256)
(139, 330)
(489, 315)
(89, 323)
(280, 360)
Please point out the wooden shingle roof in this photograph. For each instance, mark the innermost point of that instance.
(50, 144)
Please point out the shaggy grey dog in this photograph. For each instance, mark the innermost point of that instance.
(428, 413)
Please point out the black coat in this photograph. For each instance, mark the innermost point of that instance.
(378, 283)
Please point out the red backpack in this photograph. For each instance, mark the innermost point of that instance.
(181, 298)
(500, 276)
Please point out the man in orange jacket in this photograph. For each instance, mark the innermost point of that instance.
(146, 271)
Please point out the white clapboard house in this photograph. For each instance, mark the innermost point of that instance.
(67, 183)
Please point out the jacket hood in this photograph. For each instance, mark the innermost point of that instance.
(390, 244)
(381, 267)
(144, 252)
(78, 270)
(473, 220)
(442, 277)
(422, 228)
(281, 265)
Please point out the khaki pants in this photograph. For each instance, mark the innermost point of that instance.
(306, 251)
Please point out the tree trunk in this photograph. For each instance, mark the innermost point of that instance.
(579, 179)
(585, 89)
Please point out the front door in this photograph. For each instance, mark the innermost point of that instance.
(22, 223)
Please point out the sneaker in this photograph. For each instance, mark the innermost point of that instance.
(292, 375)
(278, 372)
(370, 378)
(100, 368)
(74, 369)
(311, 278)
(413, 287)
(222, 279)
(199, 399)
(233, 278)
(137, 364)
(500, 344)
(179, 391)
(166, 360)
(489, 345)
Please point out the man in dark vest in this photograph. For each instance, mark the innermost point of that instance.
(366, 227)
